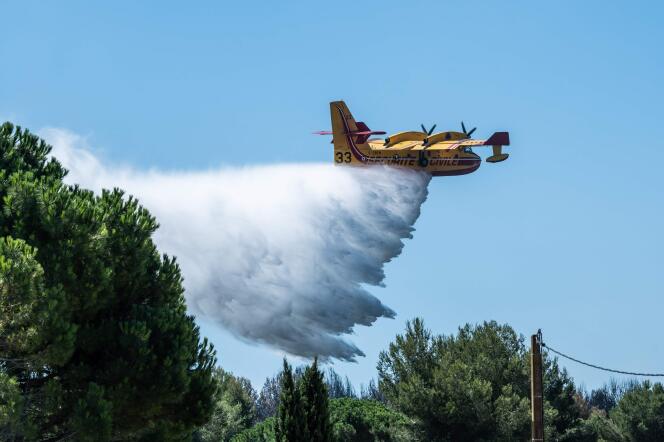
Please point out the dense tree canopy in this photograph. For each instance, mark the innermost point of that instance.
(640, 412)
(472, 386)
(95, 341)
(261, 432)
(352, 419)
(235, 408)
(368, 420)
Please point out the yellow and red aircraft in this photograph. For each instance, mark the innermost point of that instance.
(440, 154)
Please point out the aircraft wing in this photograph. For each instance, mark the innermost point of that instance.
(497, 139)
(455, 144)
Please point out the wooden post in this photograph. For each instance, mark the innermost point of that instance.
(536, 387)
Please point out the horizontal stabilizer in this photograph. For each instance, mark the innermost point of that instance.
(362, 133)
(498, 139)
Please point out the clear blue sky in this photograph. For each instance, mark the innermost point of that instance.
(565, 236)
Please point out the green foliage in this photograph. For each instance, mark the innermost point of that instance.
(368, 420)
(11, 409)
(30, 321)
(561, 396)
(268, 399)
(338, 387)
(92, 416)
(472, 386)
(640, 413)
(93, 323)
(314, 396)
(626, 411)
(361, 420)
(303, 413)
(235, 408)
(22, 151)
(601, 428)
(261, 432)
(290, 424)
(606, 397)
(512, 415)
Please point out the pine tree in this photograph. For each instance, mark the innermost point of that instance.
(268, 399)
(290, 425)
(94, 333)
(313, 392)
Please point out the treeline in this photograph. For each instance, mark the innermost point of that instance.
(473, 386)
(96, 345)
(288, 397)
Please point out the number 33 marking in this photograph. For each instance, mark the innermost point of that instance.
(342, 157)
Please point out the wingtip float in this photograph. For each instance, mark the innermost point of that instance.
(441, 154)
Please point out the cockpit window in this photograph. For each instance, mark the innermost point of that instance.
(467, 149)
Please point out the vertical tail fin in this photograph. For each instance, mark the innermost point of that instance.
(343, 125)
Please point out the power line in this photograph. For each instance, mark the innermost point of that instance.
(601, 368)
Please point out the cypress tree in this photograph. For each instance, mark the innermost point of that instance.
(290, 425)
(313, 392)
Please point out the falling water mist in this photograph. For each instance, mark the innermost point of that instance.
(277, 254)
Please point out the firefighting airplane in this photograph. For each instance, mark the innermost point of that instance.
(440, 154)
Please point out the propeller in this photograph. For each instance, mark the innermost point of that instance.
(468, 133)
(428, 132)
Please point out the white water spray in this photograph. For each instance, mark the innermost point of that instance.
(275, 254)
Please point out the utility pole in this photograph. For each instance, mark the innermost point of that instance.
(536, 387)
